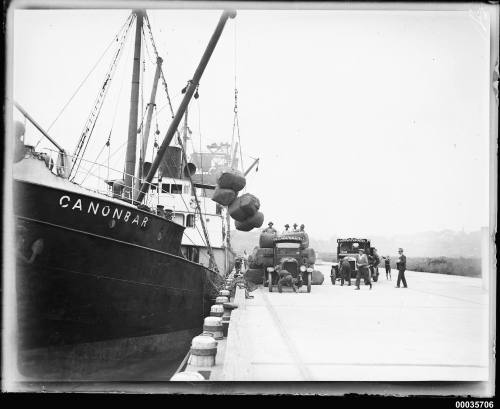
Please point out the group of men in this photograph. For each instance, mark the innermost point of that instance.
(367, 264)
(271, 229)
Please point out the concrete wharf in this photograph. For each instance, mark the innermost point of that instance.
(436, 330)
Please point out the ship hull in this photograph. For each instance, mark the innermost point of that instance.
(91, 290)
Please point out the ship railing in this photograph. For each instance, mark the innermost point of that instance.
(102, 179)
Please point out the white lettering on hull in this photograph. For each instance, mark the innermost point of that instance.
(66, 201)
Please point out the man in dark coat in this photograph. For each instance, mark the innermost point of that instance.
(345, 271)
(401, 266)
(388, 268)
(374, 263)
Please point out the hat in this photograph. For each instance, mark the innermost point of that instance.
(287, 225)
(295, 225)
(270, 223)
(302, 225)
(361, 250)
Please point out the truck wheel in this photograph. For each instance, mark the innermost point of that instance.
(333, 276)
(270, 282)
(264, 282)
(309, 282)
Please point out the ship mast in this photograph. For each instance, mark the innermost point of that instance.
(193, 84)
(147, 127)
(130, 160)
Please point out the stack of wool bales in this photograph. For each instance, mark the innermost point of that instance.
(244, 209)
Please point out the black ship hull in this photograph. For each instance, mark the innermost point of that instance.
(96, 286)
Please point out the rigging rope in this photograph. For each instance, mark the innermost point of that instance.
(115, 38)
(164, 82)
(94, 114)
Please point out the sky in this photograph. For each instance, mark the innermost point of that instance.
(365, 122)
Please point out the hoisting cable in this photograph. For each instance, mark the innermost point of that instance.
(198, 208)
(94, 114)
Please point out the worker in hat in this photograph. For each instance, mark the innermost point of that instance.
(286, 279)
(401, 266)
(345, 271)
(295, 225)
(363, 269)
(287, 226)
(374, 262)
(270, 228)
(302, 227)
(387, 268)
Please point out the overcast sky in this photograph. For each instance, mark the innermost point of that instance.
(365, 122)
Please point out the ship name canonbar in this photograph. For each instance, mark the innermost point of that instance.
(97, 208)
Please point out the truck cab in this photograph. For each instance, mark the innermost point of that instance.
(349, 248)
(287, 255)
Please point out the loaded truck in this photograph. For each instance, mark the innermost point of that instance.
(289, 255)
(349, 248)
(279, 252)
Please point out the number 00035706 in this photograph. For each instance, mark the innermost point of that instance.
(474, 404)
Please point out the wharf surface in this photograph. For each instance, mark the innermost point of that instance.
(435, 330)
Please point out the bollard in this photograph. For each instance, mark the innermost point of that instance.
(187, 376)
(213, 325)
(224, 293)
(203, 351)
(225, 325)
(226, 317)
(217, 310)
(221, 300)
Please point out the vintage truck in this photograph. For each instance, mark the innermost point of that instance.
(350, 248)
(289, 254)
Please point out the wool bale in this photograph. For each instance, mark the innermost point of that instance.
(243, 226)
(266, 240)
(255, 275)
(224, 196)
(309, 254)
(231, 179)
(305, 239)
(264, 257)
(255, 221)
(244, 207)
(317, 277)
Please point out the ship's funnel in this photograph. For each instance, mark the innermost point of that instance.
(189, 169)
(170, 165)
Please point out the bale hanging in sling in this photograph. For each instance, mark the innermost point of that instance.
(223, 196)
(244, 207)
(231, 179)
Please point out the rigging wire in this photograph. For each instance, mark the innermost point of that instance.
(94, 115)
(108, 143)
(115, 39)
(164, 82)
